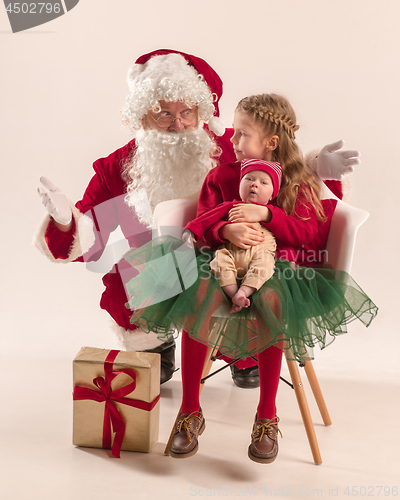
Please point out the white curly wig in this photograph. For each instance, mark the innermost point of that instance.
(167, 78)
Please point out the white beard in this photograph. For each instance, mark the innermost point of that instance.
(166, 166)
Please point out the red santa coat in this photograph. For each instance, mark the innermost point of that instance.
(103, 203)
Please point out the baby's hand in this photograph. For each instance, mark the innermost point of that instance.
(248, 212)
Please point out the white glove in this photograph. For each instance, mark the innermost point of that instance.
(55, 201)
(333, 164)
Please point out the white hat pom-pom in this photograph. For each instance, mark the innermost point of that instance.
(216, 125)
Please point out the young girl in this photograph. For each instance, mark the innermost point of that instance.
(293, 309)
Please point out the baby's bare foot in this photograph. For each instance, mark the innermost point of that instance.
(239, 300)
(235, 308)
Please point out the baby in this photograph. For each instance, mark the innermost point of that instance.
(259, 183)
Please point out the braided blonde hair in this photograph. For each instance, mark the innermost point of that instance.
(275, 116)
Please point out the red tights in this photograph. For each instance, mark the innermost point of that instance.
(192, 362)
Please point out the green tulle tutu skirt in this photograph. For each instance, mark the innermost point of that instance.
(295, 310)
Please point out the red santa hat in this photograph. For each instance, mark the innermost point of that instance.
(169, 75)
(272, 168)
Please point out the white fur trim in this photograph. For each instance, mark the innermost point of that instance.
(85, 234)
(346, 188)
(216, 125)
(311, 160)
(136, 340)
(84, 237)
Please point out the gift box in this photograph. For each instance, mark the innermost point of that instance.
(116, 399)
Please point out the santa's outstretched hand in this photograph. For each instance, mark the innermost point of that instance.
(332, 164)
(55, 201)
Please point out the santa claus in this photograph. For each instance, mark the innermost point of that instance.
(172, 109)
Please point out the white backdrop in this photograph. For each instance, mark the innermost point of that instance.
(63, 84)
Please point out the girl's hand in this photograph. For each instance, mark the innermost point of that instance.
(248, 212)
(242, 235)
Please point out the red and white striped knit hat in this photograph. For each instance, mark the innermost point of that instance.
(272, 168)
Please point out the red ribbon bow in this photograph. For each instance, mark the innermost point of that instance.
(111, 413)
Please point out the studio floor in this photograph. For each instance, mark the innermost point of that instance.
(360, 451)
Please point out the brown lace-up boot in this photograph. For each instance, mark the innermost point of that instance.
(187, 429)
(264, 440)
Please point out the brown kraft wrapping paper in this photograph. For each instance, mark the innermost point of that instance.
(100, 375)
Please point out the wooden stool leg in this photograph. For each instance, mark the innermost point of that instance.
(304, 410)
(316, 389)
(208, 364)
(206, 371)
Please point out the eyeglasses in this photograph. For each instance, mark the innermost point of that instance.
(166, 120)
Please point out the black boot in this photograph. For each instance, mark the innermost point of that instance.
(248, 378)
(167, 351)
